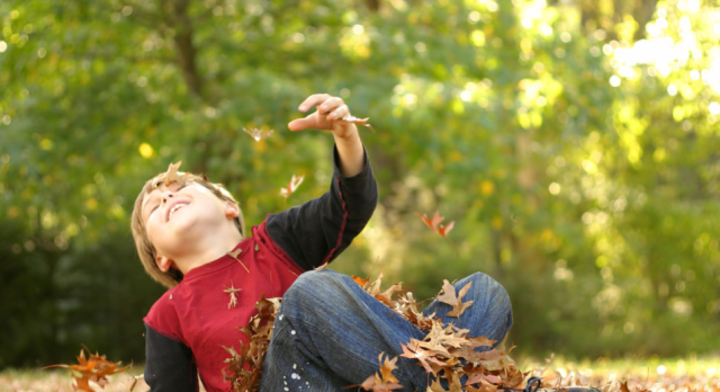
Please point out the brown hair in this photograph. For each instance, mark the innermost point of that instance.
(145, 248)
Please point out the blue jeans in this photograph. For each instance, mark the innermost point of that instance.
(329, 332)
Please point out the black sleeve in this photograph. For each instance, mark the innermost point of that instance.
(318, 230)
(170, 366)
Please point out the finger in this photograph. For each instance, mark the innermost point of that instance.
(330, 104)
(339, 113)
(313, 100)
(300, 124)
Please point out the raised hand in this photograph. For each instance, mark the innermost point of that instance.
(328, 116)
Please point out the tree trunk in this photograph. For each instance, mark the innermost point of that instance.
(175, 14)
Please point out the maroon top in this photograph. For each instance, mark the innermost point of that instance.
(196, 313)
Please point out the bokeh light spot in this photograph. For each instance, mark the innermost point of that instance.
(146, 151)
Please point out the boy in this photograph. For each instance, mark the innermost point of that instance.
(191, 238)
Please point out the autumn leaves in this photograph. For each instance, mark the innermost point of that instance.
(447, 353)
(94, 369)
(245, 366)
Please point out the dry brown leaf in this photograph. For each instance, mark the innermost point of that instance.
(245, 366)
(171, 175)
(449, 297)
(384, 380)
(234, 254)
(95, 368)
(233, 294)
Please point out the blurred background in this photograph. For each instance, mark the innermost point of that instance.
(574, 143)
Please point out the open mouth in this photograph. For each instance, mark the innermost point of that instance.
(175, 208)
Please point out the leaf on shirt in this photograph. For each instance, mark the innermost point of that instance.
(234, 254)
(245, 365)
(94, 368)
(434, 225)
(357, 121)
(258, 134)
(292, 186)
(233, 294)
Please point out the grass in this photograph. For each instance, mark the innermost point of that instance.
(58, 380)
(655, 374)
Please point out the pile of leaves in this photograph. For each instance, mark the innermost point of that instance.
(245, 365)
(446, 353)
(95, 369)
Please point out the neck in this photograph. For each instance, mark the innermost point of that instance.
(204, 252)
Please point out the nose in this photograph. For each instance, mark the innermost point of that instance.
(167, 195)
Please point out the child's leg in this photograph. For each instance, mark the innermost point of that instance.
(328, 335)
(490, 314)
(331, 332)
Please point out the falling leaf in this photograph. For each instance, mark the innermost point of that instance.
(258, 134)
(449, 297)
(233, 294)
(357, 121)
(292, 186)
(95, 368)
(434, 225)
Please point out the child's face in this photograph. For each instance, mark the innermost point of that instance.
(178, 216)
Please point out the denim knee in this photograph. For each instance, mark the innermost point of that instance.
(495, 293)
(310, 286)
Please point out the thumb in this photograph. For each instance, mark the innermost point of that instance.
(300, 124)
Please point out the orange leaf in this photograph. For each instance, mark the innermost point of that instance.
(292, 186)
(96, 368)
(362, 282)
(434, 225)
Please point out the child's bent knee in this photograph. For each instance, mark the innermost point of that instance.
(312, 285)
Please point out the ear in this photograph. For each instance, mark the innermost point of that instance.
(164, 263)
(232, 210)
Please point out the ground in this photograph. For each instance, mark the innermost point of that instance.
(655, 375)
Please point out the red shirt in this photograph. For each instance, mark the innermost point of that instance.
(196, 314)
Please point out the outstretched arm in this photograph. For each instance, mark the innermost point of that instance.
(318, 230)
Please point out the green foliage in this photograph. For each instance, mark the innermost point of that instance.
(574, 147)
